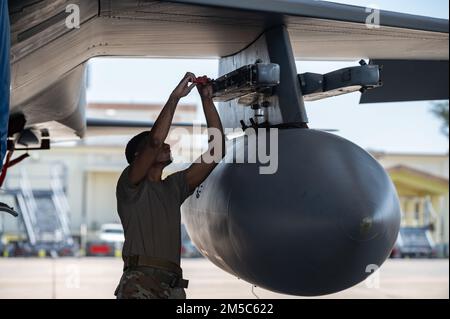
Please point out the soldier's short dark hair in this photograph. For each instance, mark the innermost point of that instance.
(133, 146)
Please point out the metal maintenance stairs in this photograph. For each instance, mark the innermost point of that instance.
(44, 211)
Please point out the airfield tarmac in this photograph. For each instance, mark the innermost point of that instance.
(97, 278)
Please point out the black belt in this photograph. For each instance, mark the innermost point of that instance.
(174, 277)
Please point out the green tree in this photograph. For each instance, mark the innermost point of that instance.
(441, 111)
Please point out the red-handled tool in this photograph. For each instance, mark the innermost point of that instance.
(202, 80)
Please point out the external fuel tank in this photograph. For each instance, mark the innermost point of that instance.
(322, 223)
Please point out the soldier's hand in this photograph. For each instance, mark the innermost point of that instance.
(183, 88)
(205, 90)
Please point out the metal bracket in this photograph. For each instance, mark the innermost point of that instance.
(30, 140)
(248, 81)
(360, 78)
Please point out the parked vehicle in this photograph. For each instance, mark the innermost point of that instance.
(188, 249)
(414, 242)
(112, 233)
(110, 238)
(108, 241)
(100, 249)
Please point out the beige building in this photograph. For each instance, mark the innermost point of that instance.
(422, 184)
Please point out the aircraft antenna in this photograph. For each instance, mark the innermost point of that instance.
(253, 292)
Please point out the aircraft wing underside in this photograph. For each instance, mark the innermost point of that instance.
(48, 59)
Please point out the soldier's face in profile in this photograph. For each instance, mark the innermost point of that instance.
(165, 155)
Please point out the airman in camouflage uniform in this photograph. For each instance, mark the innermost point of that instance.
(149, 207)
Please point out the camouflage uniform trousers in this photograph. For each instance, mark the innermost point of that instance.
(144, 283)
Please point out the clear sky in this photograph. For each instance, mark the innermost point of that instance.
(393, 127)
(429, 8)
